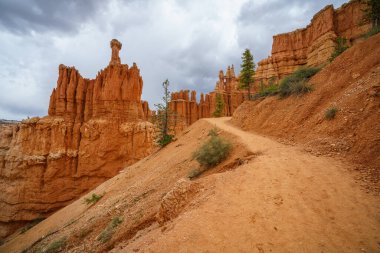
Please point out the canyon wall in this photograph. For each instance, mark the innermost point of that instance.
(310, 46)
(185, 109)
(313, 45)
(94, 129)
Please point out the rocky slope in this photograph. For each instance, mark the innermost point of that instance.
(266, 197)
(351, 84)
(313, 45)
(94, 129)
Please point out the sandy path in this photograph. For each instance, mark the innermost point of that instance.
(285, 200)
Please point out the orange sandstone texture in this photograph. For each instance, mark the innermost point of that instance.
(310, 46)
(313, 45)
(94, 129)
(186, 110)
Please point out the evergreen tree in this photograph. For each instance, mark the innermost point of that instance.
(163, 117)
(219, 105)
(373, 12)
(247, 72)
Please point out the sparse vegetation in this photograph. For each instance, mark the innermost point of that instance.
(267, 91)
(213, 132)
(297, 83)
(219, 106)
(55, 246)
(94, 198)
(330, 113)
(31, 224)
(107, 233)
(340, 47)
(213, 151)
(372, 13)
(164, 117)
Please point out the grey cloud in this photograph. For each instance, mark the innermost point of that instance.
(187, 42)
(273, 17)
(20, 16)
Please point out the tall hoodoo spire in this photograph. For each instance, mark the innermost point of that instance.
(116, 47)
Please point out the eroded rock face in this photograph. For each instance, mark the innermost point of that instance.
(186, 110)
(176, 200)
(313, 45)
(94, 129)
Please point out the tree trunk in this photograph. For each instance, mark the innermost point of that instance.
(249, 92)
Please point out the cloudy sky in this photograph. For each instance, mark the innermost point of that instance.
(186, 41)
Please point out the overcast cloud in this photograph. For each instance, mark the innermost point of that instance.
(187, 42)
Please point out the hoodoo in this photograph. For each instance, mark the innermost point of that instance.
(94, 129)
(187, 111)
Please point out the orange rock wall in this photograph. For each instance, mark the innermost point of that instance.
(313, 45)
(94, 129)
(186, 110)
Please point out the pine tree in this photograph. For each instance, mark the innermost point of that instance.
(163, 117)
(219, 106)
(247, 72)
(374, 12)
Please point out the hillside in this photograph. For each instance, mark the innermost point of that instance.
(266, 197)
(351, 83)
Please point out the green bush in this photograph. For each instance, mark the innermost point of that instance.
(330, 113)
(267, 91)
(213, 132)
(213, 151)
(340, 47)
(296, 83)
(94, 198)
(165, 140)
(55, 246)
(107, 233)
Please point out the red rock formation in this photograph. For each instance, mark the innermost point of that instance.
(187, 111)
(94, 129)
(313, 45)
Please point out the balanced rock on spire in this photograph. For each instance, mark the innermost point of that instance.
(94, 129)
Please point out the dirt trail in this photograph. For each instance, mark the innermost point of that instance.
(285, 200)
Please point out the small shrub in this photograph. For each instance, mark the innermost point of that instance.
(215, 150)
(330, 113)
(55, 246)
(340, 47)
(165, 140)
(296, 83)
(213, 132)
(94, 198)
(107, 233)
(270, 90)
(116, 221)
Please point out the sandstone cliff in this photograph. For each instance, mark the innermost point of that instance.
(310, 46)
(313, 45)
(94, 129)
